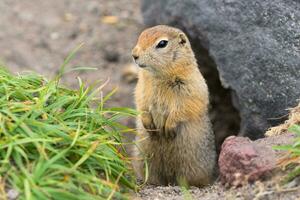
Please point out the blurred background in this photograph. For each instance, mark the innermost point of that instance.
(37, 35)
(253, 45)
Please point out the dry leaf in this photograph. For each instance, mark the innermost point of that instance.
(110, 19)
(68, 17)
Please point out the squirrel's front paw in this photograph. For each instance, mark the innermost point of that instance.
(170, 130)
(148, 123)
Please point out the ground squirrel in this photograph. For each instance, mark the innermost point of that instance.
(174, 130)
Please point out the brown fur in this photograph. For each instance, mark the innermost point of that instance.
(175, 133)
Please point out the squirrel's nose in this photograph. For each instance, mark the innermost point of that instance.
(135, 57)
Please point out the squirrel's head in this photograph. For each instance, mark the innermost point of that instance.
(161, 48)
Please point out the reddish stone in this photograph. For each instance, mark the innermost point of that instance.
(242, 160)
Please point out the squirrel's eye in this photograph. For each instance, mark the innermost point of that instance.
(162, 44)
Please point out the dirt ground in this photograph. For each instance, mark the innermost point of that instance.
(37, 35)
(257, 191)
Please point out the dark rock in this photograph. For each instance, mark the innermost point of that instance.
(242, 160)
(255, 46)
(111, 55)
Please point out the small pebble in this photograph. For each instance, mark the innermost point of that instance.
(54, 35)
(12, 194)
(111, 55)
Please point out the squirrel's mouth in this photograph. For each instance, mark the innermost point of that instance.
(141, 65)
(138, 63)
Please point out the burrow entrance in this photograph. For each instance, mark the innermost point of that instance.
(225, 117)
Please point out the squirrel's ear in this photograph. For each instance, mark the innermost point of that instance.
(182, 38)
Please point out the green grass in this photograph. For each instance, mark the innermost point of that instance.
(55, 145)
(291, 160)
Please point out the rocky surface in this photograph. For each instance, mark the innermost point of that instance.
(258, 191)
(255, 46)
(242, 160)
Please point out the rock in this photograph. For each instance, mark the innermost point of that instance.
(54, 35)
(111, 54)
(12, 194)
(242, 160)
(292, 184)
(255, 46)
(69, 17)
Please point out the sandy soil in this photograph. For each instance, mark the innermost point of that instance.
(258, 191)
